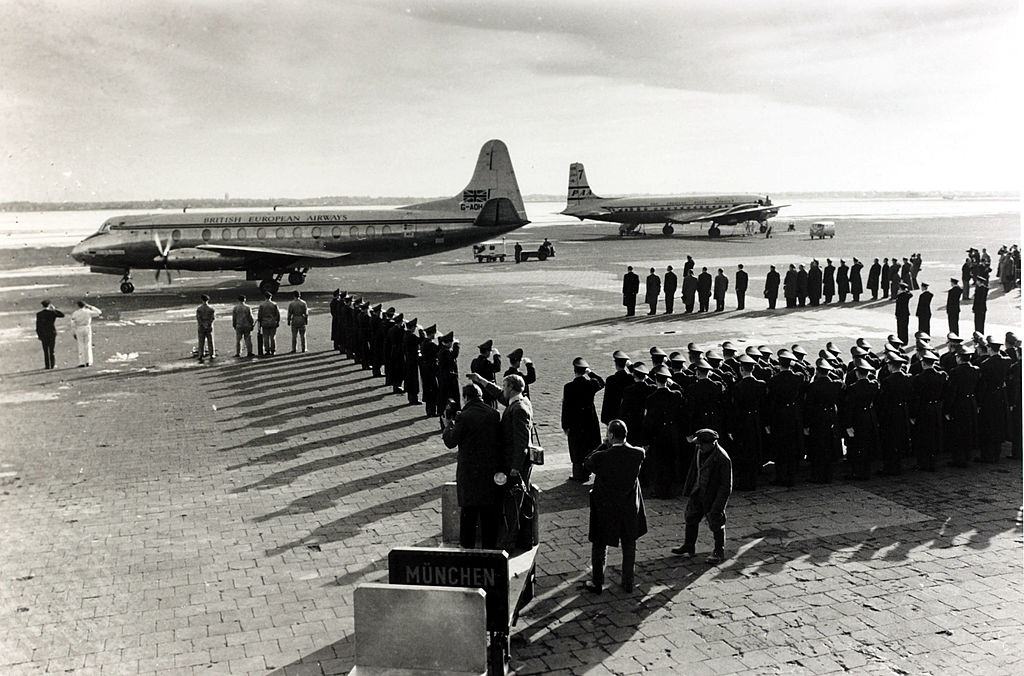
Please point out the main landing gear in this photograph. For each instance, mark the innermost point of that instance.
(126, 282)
(714, 232)
(668, 230)
(272, 283)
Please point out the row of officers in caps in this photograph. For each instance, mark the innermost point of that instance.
(414, 360)
(884, 406)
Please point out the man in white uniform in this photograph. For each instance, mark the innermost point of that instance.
(82, 319)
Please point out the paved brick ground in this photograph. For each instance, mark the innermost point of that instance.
(159, 516)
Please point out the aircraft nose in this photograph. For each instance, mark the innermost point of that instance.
(78, 252)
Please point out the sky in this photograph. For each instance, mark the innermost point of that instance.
(112, 100)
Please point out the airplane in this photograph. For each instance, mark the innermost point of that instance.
(633, 212)
(267, 245)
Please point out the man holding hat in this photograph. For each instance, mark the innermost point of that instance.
(924, 309)
(929, 387)
(903, 312)
(579, 416)
(661, 430)
(486, 365)
(614, 386)
(960, 407)
(895, 395)
(515, 361)
(616, 504)
(821, 421)
(953, 296)
(708, 487)
(860, 419)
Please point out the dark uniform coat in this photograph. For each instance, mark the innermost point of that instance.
(613, 389)
(929, 388)
(961, 405)
(771, 284)
(689, 290)
(821, 419)
(632, 408)
(661, 431)
(992, 400)
(704, 401)
(579, 417)
(448, 376)
(858, 413)
(616, 501)
(476, 431)
(843, 280)
(829, 281)
(671, 283)
(486, 368)
(653, 288)
(630, 288)
(428, 374)
(856, 281)
(895, 396)
(704, 285)
(529, 377)
(874, 275)
(785, 395)
(814, 284)
(744, 427)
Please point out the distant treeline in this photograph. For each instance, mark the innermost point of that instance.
(363, 200)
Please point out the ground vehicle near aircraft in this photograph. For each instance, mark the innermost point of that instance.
(633, 212)
(488, 252)
(823, 229)
(267, 245)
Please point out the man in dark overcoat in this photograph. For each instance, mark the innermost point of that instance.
(895, 396)
(924, 310)
(704, 290)
(708, 487)
(630, 289)
(992, 408)
(843, 281)
(953, 296)
(487, 365)
(617, 514)
(448, 373)
(790, 287)
(476, 430)
(745, 424)
(428, 369)
(980, 304)
(653, 292)
(883, 278)
(689, 294)
(337, 306)
(856, 281)
(829, 281)
(785, 419)
(633, 405)
(929, 390)
(411, 362)
(46, 332)
(860, 419)
(661, 430)
(579, 416)
(960, 407)
(771, 287)
(814, 284)
(671, 284)
(741, 286)
(821, 421)
(874, 276)
(903, 313)
(614, 386)
(802, 286)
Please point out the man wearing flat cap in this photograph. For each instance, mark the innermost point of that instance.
(903, 312)
(614, 386)
(487, 365)
(860, 420)
(708, 487)
(517, 362)
(929, 388)
(617, 512)
(661, 431)
(579, 416)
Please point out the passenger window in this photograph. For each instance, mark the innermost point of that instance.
(297, 233)
(371, 231)
(279, 233)
(316, 232)
(176, 234)
(207, 235)
(225, 234)
(385, 231)
(241, 233)
(335, 232)
(353, 232)
(261, 233)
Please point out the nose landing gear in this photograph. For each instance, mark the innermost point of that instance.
(126, 283)
(668, 229)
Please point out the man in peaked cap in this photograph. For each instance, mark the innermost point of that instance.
(821, 421)
(745, 425)
(487, 365)
(953, 297)
(429, 351)
(394, 354)
(895, 396)
(991, 392)
(947, 361)
(614, 386)
(411, 375)
(633, 406)
(785, 419)
(960, 407)
(705, 398)
(516, 362)
(661, 431)
(658, 357)
(579, 416)
(903, 312)
(378, 327)
(929, 388)
(708, 487)
(860, 419)
(448, 395)
(980, 303)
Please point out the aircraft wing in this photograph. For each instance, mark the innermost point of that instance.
(282, 252)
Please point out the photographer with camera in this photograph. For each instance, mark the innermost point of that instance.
(476, 431)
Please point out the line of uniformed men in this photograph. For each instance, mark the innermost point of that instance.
(882, 406)
(411, 359)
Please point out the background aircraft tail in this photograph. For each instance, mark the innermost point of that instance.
(493, 178)
(579, 189)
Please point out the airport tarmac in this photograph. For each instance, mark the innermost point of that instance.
(166, 516)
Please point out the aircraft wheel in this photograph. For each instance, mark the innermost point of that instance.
(295, 278)
(127, 287)
(668, 229)
(270, 285)
(713, 231)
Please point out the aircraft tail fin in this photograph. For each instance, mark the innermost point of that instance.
(579, 188)
(493, 178)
